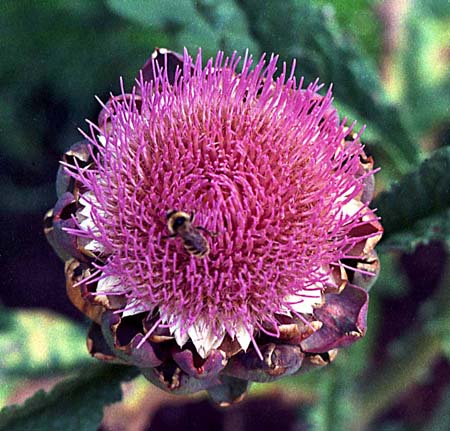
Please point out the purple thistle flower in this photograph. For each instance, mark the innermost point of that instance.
(279, 189)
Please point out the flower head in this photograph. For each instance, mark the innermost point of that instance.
(273, 232)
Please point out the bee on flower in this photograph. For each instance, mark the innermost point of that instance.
(280, 275)
(180, 224)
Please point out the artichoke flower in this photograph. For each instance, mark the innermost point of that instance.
(215, 226)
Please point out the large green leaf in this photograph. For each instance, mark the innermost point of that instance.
(298, 29)
(73, 405)
(56, 56)
(361, 18)
(209, 24)
(433, 228)
(36, 343)
(417, 209)
(424, 74)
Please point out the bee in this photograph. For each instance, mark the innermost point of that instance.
(180, 224)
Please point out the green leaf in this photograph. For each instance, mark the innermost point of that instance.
(360, 17)
(229, 23)
(36, 343)
(178, 18)
(155, 13)
(424, 73)
(417, 209)
(73, 405)
(211, 25)
(433, 228)
(298, 29)
(56, 56)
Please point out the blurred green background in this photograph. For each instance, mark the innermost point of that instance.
(389, 64)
